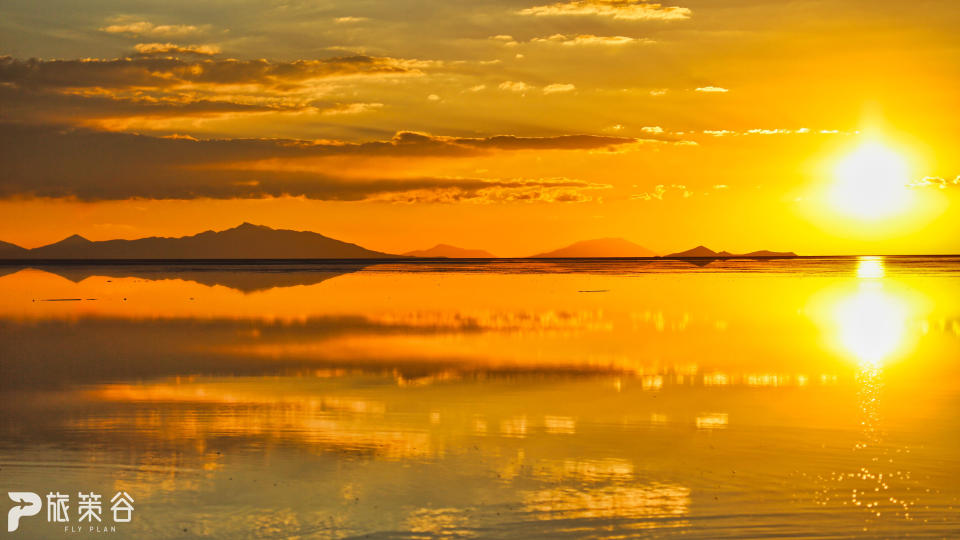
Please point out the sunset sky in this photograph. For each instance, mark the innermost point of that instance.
(821, 127)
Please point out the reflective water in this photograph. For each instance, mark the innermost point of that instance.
(599, 399)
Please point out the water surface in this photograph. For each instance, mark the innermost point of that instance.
(510, 399)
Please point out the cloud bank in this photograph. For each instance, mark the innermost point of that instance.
(41, 161)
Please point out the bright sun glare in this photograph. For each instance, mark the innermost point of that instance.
(871, 183)
(872, 321)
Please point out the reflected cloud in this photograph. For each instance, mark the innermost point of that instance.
(273, 411)
(712, 421)
(564, 425)
(438, 523)
(585, 470)
(651, 501)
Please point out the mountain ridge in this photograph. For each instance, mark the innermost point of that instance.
(7, 249)
(250, 241)
(451, 252)
(598, 247)
(245, 241)
(703, 252)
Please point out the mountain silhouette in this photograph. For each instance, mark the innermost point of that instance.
(600, 247)
(246, 241)
(703, 252)
(769, 254)
(451, 252)
(8, 250)
(697, 252)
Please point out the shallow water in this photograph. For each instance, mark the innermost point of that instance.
(601, 399)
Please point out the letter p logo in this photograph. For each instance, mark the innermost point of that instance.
(28, 504)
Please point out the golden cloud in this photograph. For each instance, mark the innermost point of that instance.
(515, 86)
(152, 84)
(590, 40)
(173, 48)
(712, 89)
(178, 73)
(350, 20)
(558, 88)
(633, 10)
(147, 28)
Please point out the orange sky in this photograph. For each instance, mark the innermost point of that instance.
(509, 126)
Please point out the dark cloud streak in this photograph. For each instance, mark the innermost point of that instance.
(168, 72)
(43, 161)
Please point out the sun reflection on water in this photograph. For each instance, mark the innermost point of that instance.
(870, 267)
(871, 322)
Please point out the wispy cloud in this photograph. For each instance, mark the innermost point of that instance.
(772, 131)
(146, 28)
(149, 72)
(558, 88)
(935, 182)
(520, 87)
(173, 48)
(618, 9)
(352, 108)
(583, 40)
(712, 89)
(515, 86)
(500, 191)
(661, 190)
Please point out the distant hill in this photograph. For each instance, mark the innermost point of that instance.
(703, 252)
(452, 252)
(245, 241)
(12, 251)
(601, 247)
(699, 251)
(765, 253)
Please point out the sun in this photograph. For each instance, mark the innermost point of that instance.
(871, 183)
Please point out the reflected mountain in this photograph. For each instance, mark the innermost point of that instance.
(243, 278)
(7, 270)
(592, 266)
(701, 262)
